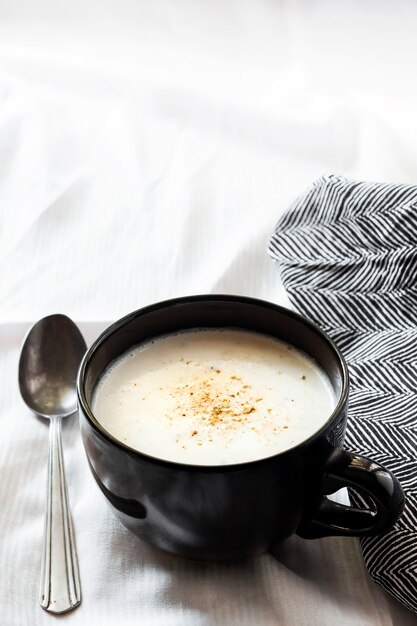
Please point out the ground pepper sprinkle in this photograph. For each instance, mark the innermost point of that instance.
(215, 404)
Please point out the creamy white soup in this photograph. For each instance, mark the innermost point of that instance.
(213, 397)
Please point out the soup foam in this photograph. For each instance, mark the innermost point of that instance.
(213, 397)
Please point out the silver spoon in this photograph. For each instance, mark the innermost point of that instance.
(48, 367)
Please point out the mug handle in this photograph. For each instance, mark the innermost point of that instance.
(346, 469)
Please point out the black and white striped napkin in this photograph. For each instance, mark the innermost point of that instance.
(347, 253)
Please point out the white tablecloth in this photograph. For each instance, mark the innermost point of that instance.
(147, 150)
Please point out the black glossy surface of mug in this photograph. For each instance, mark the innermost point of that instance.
(233, 511)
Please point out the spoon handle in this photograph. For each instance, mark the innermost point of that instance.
(60, 589)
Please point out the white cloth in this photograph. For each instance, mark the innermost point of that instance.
(147, 150)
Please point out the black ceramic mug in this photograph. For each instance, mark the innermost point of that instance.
(232, 511)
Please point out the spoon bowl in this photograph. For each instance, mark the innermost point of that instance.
(48, 368)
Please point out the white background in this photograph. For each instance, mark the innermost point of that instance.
(147, 150)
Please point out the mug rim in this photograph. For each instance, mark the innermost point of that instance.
(118, 324)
